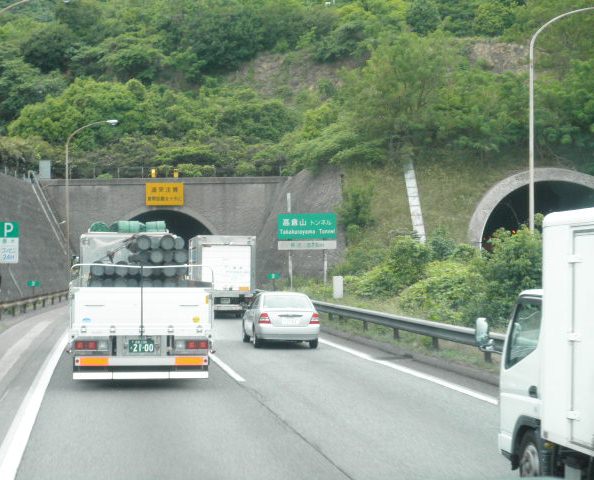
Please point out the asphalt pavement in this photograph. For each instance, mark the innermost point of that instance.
(284, 411)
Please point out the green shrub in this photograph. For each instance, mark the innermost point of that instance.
(448, 294)
(515, 264)
(441, 244)
(404, 265)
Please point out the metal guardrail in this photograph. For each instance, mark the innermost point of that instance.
(435, 330)
(25, 304)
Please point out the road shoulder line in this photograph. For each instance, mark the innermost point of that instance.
(227, 369)
(15, 442)
(414, 373)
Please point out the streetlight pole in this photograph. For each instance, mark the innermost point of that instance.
(67, 182)
(531, 115)
(15, 4)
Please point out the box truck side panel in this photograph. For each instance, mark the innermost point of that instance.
(567, 374)
(582, 343)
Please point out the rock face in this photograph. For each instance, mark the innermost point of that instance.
(501, 57)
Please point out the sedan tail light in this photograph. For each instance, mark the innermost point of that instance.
(264, 318)
(315, 319)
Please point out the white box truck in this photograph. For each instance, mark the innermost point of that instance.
(547, 369)
(232, 261)
(134, 314)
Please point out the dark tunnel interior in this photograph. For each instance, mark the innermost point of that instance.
(549, 197)
(178, 223)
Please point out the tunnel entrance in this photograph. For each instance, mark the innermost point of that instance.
(178, 223)
(549, 196)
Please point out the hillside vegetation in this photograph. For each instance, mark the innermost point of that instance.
(262, 87)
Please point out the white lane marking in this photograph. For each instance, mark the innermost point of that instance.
(414, 373)
(15, 442)
(227, 369)
(13, 354)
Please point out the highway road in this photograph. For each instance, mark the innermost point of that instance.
(343, 411)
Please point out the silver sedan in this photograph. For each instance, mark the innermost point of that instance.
(281, 316)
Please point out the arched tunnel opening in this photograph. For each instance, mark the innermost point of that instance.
(549, 196)
(178, 223)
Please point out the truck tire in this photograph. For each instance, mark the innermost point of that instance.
(255, 340)
(530, 455)
(246, 337)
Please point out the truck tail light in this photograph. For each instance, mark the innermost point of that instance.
(264, 318)
(196, 344)
(87, 345)
(315, 319)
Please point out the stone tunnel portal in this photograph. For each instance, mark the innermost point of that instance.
(549, 196)
(177, 222)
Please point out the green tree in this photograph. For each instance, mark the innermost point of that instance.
(22, 84)
(492, 18)
(51, 48)
(423, 16)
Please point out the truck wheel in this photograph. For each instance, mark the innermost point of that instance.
(529, 456)
(255, 340)
(313, 343)
(246, 337)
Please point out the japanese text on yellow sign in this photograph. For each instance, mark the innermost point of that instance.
(158, 194)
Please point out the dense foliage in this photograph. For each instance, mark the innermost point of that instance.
(451, 283)
(161, 68)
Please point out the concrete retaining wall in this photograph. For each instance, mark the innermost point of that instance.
(40, 255)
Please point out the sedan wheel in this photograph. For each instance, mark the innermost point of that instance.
(255, 340)
(246, 337)
(313, 343)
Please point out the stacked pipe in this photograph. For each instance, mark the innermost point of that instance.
(154, 261)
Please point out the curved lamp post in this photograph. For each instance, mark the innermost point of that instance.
(531, 120)
(15, 4)
(67, 176)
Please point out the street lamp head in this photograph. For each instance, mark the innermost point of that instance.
(112, 122)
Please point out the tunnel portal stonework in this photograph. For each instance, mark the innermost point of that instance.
(223, 205)
(502, 189)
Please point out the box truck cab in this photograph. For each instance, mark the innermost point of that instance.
(547, 369)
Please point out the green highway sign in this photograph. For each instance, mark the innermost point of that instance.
(9, 242)
(273, 276)
(9, 230)
(306, 226)
(34, 283)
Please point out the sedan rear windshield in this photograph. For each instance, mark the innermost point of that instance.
(287, 301)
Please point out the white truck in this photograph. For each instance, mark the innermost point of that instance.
(547, 369)
(133, 319)
(232, 260)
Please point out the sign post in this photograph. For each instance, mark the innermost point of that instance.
(273, 277)
(33, 284)
(9, 242)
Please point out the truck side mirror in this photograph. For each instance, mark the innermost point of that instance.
(481, 335)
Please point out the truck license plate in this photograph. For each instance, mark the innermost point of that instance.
(143, 345)
(225, 300)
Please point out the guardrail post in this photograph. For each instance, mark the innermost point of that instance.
(341, 319)
(330, 316)
(365, 325)
(435, 343)
(488, 357)
(396, 334)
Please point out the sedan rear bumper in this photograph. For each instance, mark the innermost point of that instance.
(272, 332)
